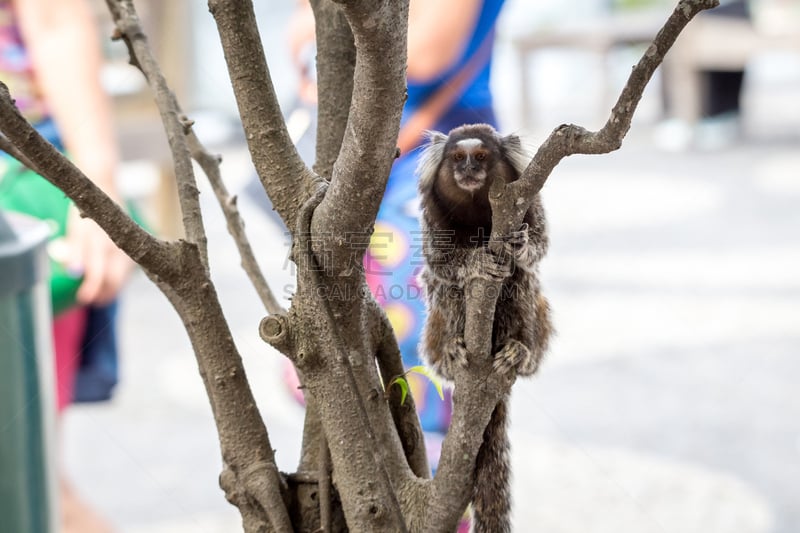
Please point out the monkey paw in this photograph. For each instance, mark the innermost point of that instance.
(514, 243)
(455, 354)
(515, 356)
(491, 266)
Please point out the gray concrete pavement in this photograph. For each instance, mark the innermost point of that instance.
(675, 286)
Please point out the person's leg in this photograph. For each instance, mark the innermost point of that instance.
(68, 330)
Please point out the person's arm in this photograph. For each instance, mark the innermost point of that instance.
(301, 36)
(437, 34)
(61, 39)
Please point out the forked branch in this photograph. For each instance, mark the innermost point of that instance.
(479, 389)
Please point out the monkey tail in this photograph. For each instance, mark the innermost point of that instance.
(491, 492)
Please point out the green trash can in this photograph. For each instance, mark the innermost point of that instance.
(27, 403)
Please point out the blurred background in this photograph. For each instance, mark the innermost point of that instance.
(668, 402)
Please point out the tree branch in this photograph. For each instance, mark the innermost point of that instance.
(325, 488)
(336, 61)
(210, 165)
(405, 417)
(349, 362)
(244, 440)
(327, 364)
(474, 398)
(369, 144)
(283, 174)
(129, 29)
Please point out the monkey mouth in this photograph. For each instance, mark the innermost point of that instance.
(469, 183)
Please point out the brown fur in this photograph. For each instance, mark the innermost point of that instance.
(456, 223)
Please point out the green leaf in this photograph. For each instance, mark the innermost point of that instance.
(428, 373)
(403, 384)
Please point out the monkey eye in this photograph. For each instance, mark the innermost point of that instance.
(459, 156)
(480, 156)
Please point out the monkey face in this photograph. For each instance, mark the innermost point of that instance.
(470, 159)
(463, 164)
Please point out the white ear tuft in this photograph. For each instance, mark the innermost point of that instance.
(516, 153)
(434, 136)
(430, 159)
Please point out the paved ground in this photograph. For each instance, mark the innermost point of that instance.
(668, 403)
(669, 400)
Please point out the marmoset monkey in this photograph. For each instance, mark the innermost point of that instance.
(455, 173)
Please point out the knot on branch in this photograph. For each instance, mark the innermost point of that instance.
(275, 330)
(689, 8)
(128, 30)
(253, 488)
(302, 253)
(496, 190)
(186, 123)
(572, 132)
(229, 485)
(375, 511)
(255, 477)
(126, 19)
(306, 358)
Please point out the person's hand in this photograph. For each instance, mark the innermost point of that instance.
(105, 267)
